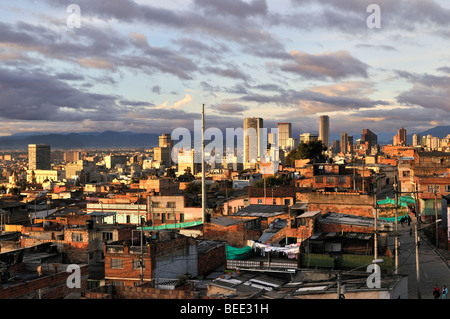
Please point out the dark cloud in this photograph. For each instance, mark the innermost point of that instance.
(329, 65)
(95, 48)
(236, 8)
(376, 46)
(231, 71)
(36, 96)
(194, 21)
(351, 15)
(310, 102)
(156, 89)
(230, 108)
(428, 91)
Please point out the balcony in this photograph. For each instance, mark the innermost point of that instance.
(115, 249)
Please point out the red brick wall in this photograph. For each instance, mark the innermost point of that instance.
(235, 235)
(211, 260)
(331, 228)
(52, 287)
(128, 272)
(143, 293)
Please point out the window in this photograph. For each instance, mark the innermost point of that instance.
(287, 201)
(170, 204)
(116, 263)
(77, 237)
(330, 180)
(319, 179)
(432, 187)
(447, 188)
(106, 236)
(155, 205)
(259, 201)
(118, 283)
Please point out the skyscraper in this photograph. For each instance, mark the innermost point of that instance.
(370, 137)
(324, 130)
(165, 140)
(39, 157)
(344, 142)
(350, 143)
(252, 138)
(284, 134)
(416, 140)
(163, 153)
(306, 137)
(400, 138)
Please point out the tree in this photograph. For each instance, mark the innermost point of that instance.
(193, 188)
(272, 181)
(311, 150)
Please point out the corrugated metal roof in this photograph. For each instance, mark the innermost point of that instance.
(262, 210)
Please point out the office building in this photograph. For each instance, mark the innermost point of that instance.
(350, 143)
(344, 142)
(284, 134)
(39, 157)
(165, 140)
(324, 130)
(112, 160)
(253, 139)
(369, 137)
(400, 138)
(416, 140)
(72, 156)
(306, 137)
(335, 147)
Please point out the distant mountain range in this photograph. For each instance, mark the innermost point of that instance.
(438, 131)
(107, 139)
(112, 139)
(387, 138)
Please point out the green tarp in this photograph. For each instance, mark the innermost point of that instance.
(173, 226)
(392, 219)
(234, 253)
(404, 201)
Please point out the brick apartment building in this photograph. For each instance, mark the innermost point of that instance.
(151, 210)
(37, 273)
(165, 254)
(430, 176)
(236, 231)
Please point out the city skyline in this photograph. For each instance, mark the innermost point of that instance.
(148, 66)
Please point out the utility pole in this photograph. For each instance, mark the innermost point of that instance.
(396, 222)
(203, 165)
(375, 241)
(416, 199)
(265, 202)
(419, 292)
(141, 261)
(339, 286)
(436, 213)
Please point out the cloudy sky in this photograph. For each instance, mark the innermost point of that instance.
(149, 65)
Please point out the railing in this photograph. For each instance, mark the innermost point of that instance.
(136, 249)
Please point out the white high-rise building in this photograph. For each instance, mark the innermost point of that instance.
(253, 139)
(284, 134)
